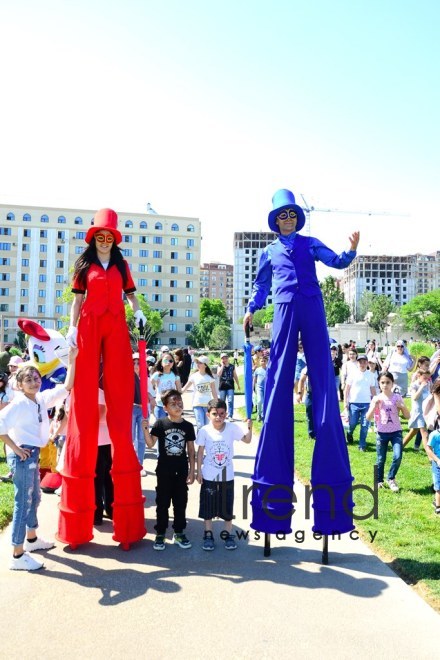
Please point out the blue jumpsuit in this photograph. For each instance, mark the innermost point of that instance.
(288, 265)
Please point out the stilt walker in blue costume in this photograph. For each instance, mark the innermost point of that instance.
(288, 266)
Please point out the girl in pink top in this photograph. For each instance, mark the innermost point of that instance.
(385, 408)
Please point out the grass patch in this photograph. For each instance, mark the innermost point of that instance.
(408, 531)
(6, 495)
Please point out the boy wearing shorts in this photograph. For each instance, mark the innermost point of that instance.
(215, 471)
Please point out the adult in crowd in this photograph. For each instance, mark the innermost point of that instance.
(227, 378)
(398, 363)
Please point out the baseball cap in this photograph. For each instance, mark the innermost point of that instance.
(151, 360)
(257, 348)
(202, 358)
(15, 360)
(362, 356)
(400, 343)
(224, 355)
(165, 349)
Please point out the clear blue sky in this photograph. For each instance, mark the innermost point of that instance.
(205, 108)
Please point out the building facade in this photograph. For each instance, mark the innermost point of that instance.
(247, 251)
(400, 277)
(38, 247)
(217, 282)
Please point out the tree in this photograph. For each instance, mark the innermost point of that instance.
(380, 308)
(422, 314)
(154, 319)
(336, 309)
(213, 308)
(365, 303)
(220, 337)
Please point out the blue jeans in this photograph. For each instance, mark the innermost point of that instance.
(27, 494)
(228, 396)
(259, 391)
(159, 412)
(309, 414)
(382, 441)
(357, 415)
(201, 415)
(138, 434)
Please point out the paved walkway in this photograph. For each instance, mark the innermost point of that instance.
(101, 602)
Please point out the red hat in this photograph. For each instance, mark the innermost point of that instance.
(105, 219)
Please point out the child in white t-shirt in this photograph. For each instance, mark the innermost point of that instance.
(215, 471)
(203, 384)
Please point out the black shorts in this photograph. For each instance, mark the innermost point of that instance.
(216, 500)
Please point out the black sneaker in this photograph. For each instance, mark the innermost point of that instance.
(230, 543)
(350, 438)
(182, 541)
(159, 543)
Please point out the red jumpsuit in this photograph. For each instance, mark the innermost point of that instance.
(102, 332)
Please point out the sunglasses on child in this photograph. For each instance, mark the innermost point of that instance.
(103, 238)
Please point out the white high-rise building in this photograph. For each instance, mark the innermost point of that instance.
(39, 245)
(247, 251)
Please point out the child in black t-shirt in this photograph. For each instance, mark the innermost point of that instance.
(176, 449)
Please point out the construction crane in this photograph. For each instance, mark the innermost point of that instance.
(308, 210)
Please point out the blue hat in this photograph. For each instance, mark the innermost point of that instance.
(284, 199)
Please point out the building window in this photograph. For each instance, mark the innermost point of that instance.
(23, 293)
(189, 270)
(78, 220)
(174, 240)
(41, 293)
(158, 225)
(4, 292)
(10, 217)
(172, 327)
(143, 268)
(44, 218)
(60, 263)
(42, 278)
(142, 282)
(61, 220)
(5, 246)
(23, 308)
(127, 252)
(143, 225)
(143, 253)
(157, 269)
(173, 312)
(43, 263)
(157, 283)
(189, 284)
(157, 240)
(174, 227)
(173, 297)
(127, 238)
(79, 249)
(5, 261)
(5, 277)
(189, 256)
(43, 247)
(6, 231)
(26, 247)
(174, 269)
(157, 254)
(190, 228)
(61, 235)
(188, 313)
(188, 327)
(144, 239)
(189, 299)
(43, 233)
(128, 223)
(80, 234)
(41, 309)
(173, 284)
(189, 242)
(58, 309)
(59, 279)
(26, 217)
(174, 255)
(156, 297)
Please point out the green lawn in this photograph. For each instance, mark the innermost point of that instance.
(408, 531)
(6, 493)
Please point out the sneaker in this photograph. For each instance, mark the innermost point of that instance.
(159, 542)
(208, 541)
(437, 510)
(39, 544)
(350, 438)
(182, 541)
(25, 563)
(380, 484)
(393, 485)
(230, 543)
(230, 418)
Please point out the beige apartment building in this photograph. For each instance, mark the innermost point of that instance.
(39, 245)
(217, 282)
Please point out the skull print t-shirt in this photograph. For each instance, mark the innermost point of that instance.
(172, 438)
(219, 451)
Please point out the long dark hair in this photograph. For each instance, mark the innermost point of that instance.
(90, 256)
(159, 366)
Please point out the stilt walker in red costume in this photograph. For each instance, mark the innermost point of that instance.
(98, 327)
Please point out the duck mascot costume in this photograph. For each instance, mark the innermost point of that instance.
(99, 329)
(288, 266)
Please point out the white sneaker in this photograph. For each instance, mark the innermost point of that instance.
(39, 544)
(25, 563)
(393, 485)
